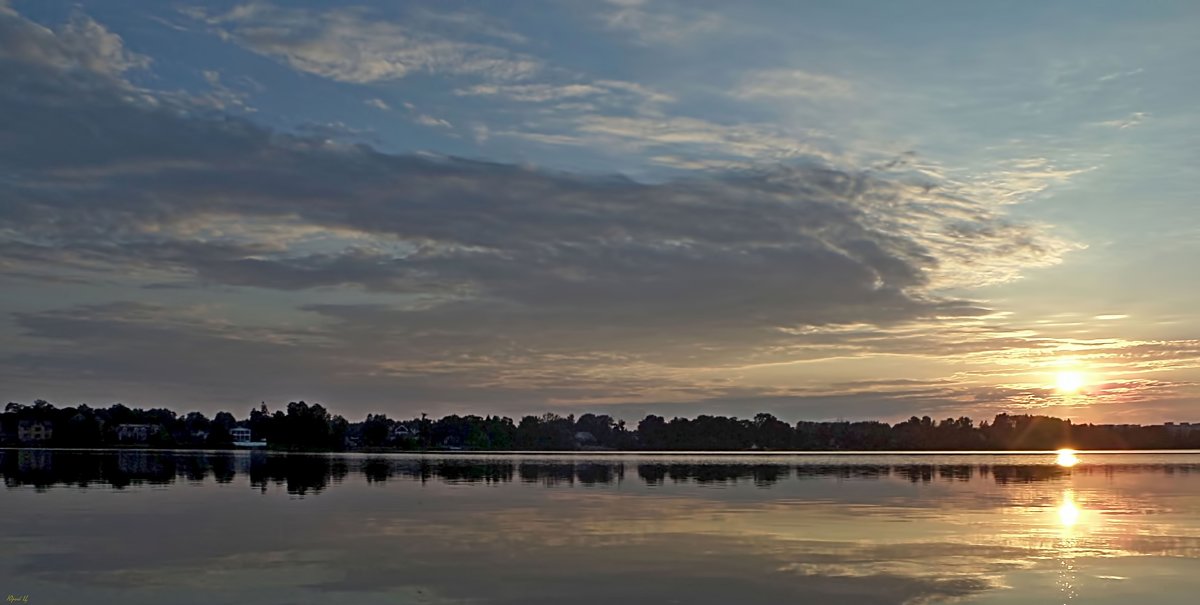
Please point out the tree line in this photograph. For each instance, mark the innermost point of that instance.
(303, 426)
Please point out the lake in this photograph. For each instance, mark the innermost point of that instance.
(155, 527)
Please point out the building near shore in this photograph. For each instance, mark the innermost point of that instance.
(34, 431)
(136, 433)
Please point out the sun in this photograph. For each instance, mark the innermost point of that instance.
(1066, 458)
(1070, 382)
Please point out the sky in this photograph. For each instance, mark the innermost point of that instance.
(851, 210)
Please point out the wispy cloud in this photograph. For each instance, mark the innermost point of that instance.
(349, 45)
(648, 22)
(1133, 119)
(222, 96)
(533, 92)
(540, 93)
(466, 23)
(428, 120)
(1109, 77)
(698, 139)
(794, 84)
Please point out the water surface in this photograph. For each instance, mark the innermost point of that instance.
(153, 527)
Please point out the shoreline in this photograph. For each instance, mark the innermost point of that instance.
(609, 453)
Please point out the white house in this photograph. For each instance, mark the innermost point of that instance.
(240, 434)
(29, 431)
(137, 433)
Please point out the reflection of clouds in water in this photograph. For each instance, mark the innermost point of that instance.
(665, 563)
(442, 531)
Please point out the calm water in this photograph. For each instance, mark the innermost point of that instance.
(184, 527)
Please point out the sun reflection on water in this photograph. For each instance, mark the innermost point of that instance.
(1068, 511)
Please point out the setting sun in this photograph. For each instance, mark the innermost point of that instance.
(1070, 382)
(1066, 458)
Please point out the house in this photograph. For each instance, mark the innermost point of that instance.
(241, 436)
(401, 432)
(1182, 428)
(136, 433)
(34, 431)
(585, 438)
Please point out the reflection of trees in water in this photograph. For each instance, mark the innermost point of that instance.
(303, 474)
(760, 474)
(547, 474)
(1029, 474)
(222, 465)
(916, 472)
(299, 472)
(476, 473)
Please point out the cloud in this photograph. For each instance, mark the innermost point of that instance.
(80, 46)
(701, 140)
(428, 120)
(532, 92)
(1133, 119)
(793, 84)
(378, 104)
(334, 131)
(222, 97)
(351, 45)
(649, 23)
(1119, 75)
(444, 277)
(467, 23)
(541, 93)
(79, 62)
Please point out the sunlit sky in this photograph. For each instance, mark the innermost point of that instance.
(820, 210)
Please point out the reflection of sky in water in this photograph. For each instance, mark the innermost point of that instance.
(545, 529)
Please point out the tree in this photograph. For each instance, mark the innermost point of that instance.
(196, 421)
(376, 430)
(652, 433)
(772, 433)
(218, 433)
(261, 423)
(602, 427)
